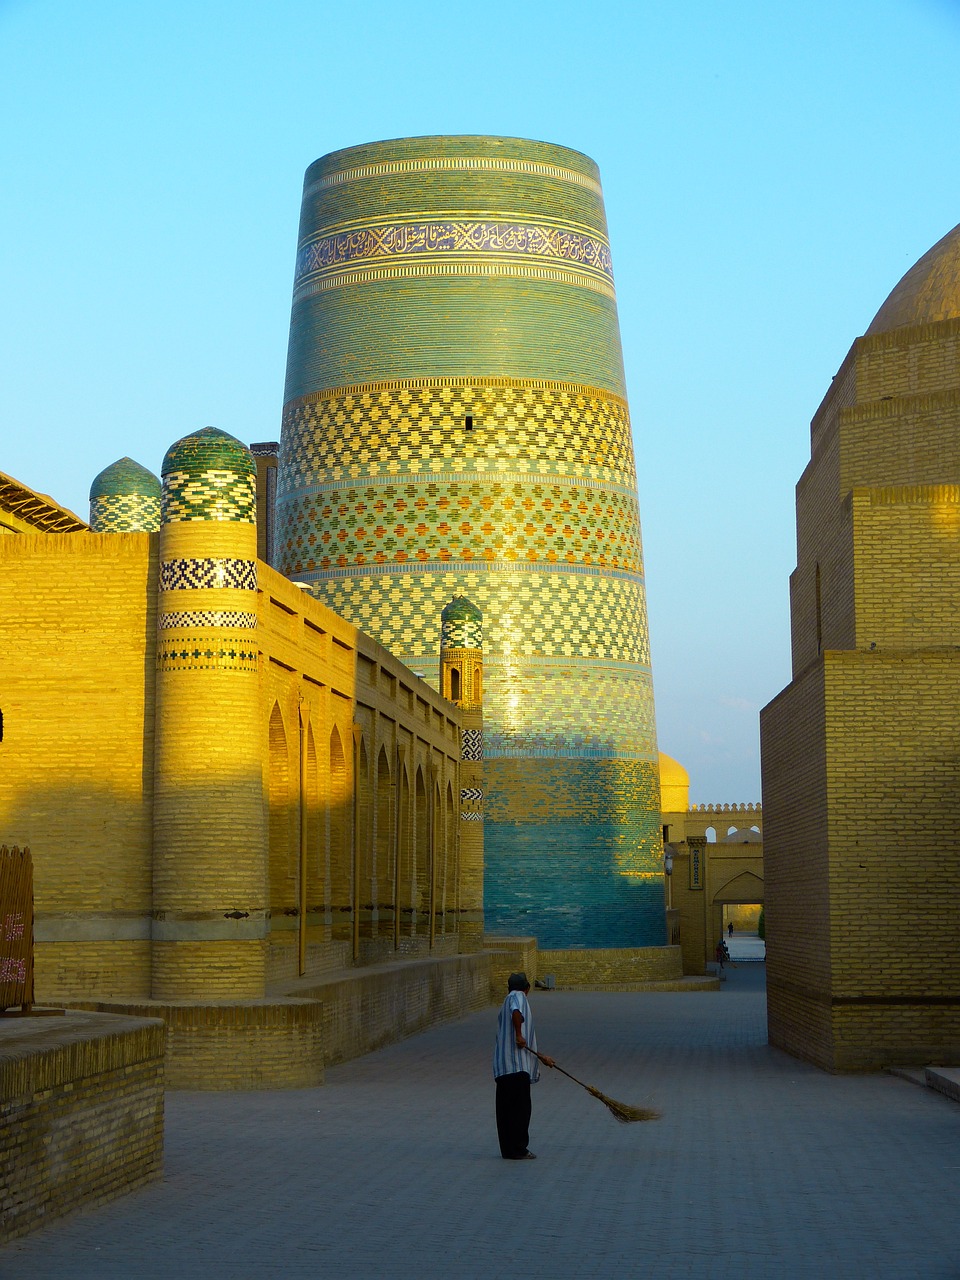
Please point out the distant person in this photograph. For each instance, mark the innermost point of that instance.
(721, 953)
(730, 929)
(516, 1064)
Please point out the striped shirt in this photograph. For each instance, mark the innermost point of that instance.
(507, 1058)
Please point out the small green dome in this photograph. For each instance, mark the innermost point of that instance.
(125, 479)
(208, 450)
(461, 625)
(460, 609)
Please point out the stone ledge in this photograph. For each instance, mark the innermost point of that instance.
(274, 1043)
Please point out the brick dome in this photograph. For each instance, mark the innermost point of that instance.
(929, 291)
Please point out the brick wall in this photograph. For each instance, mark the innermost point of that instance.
(81, 1113)
(77, 627)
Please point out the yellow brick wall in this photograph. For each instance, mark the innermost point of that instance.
(341, 678)
(907, 566)
(793, 757)
(77, 628)
(81, 1114)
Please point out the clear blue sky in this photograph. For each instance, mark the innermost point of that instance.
(770, 171)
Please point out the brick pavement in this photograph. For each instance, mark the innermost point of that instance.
(761, 1165)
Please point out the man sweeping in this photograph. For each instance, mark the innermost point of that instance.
(516, 1064)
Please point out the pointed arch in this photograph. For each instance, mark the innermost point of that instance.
(282, 861)
(381, 868)
(340, 837)
(421, 853)
(451, 846)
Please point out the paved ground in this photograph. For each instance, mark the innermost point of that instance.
(760, 1167)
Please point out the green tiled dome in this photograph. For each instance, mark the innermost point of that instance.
(125, 478)
(460, 608)
(209, 449)
(125, 498)
(209, 475)
(461, 625)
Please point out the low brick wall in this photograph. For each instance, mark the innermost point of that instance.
(600, 966)
(510, 955)
(364, 1009)
(276, 1043)
(81, 1113)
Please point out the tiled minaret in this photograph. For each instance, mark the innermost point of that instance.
(455, 424)
(210, 875)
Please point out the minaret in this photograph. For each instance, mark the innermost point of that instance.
(461, 680)
(210, 875)
(125, 498)
(455, 423)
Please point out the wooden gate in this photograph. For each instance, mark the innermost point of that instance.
(16, 928)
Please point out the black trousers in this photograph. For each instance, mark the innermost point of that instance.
(513, 1114)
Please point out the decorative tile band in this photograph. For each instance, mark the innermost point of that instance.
(198, 653)
(471, 744)
(471, 817)
(453, 267)
(234, 618)
(471, 795)
(188, 575)
(214, 495)
(463, 164)
(126, 513)
(454, 237)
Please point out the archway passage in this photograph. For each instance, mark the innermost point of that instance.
(737, 907)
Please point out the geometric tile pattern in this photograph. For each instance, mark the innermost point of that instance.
(185, 575)
(207, 618)
(198, 653)
(474, 794)
(418, 428)
(127, 513)
(213, 495)
(471, 744)
(209, 475)
(461, 626)
(470, 816)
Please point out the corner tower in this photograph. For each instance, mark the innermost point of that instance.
(454, 424)
(209, 858)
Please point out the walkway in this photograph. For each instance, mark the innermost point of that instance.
(761, 1166)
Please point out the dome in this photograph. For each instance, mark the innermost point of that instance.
(209, 475)
(929, 291)
(125, 478)
(460, 608)
(461, 625)
(209, 450)
(743, 835)
(125, 498)
(674, 786)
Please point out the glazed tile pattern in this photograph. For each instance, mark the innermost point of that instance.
(213, 495)
(128, 513)
(471, 744)
(455, 425)
(207, 618)
(193, 652)
(189, 575)
(211, 476)
(462, 243)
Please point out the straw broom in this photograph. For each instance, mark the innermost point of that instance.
(621, 1111)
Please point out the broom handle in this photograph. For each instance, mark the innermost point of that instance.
(557, 1067)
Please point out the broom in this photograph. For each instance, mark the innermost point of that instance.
(621, 1111)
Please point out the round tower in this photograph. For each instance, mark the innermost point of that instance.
(461, 680)
(209, 879)
(455, 424)
(125, 498)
